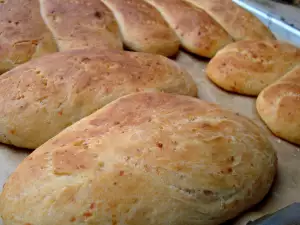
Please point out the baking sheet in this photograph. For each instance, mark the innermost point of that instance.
(287, 185)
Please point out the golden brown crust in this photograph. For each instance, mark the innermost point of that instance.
(148, 158)
(81, 24)
(23, 34)
(238, 22)
(247, 67)
(142, 27)
(38, 100)
(279, 106)
(197, 31)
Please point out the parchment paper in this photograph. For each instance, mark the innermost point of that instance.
(286, 189)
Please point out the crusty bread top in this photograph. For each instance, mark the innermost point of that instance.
(40, 98)
(143, 28)
(279, 106)
(23, 34)
(81, 24)
(147, 158)
(238, 22)
(247, 67)
(197, 31)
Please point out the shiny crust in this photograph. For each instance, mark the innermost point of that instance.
(147, 158)
(279, 106)
(238, 22)
(23, 34)
(143, 28)
(197, 31)
(247, 67)
(78, 24)
(40, 98)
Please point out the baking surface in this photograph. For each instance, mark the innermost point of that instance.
(287, 185)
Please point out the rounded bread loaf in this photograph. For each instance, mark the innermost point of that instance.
(279, 106)
(42, 97)
(197, 31)
(142, 27)
(146, 158)
(81, 24)
(23, 34)
(238, 22)
(247, 67)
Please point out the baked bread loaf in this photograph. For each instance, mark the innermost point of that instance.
(247, 67)
(81, 24)
(197, 31)
(146, 158)
(279, 106)
(142, 27)
(23, 34)
(238, 22)
(38, 100)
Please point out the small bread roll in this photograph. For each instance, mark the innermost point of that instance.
(247, 67)
(146, 158)
(78, 24)
(197, 31)
(143, 28)
(279, 106)
(238, 22)
(23, 34)
(40, 98)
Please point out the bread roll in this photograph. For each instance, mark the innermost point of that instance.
(81, 24)
(247, 67)
(238, 22)
(40, 98)
(143, 28)
(197, 31)
(23, 34)
(279, 106)
(146, 158)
